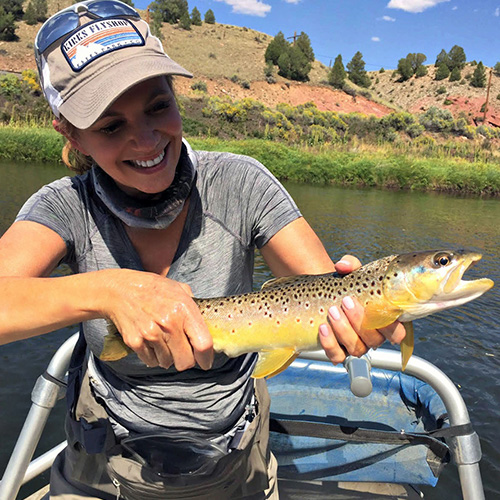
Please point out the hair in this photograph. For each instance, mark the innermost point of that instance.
(76, 160)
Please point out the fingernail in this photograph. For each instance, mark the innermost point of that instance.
(334, 313)
(323, 330)
(344, 262)
(348, 302)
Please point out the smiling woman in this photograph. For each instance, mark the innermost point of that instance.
(148, 223)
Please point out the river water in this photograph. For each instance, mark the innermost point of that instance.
(464, 342)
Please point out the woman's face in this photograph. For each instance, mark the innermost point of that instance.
(138, 139)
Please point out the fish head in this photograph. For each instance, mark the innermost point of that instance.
(422, 283)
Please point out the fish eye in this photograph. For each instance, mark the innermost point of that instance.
(442, 259)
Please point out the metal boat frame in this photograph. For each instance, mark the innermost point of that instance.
(51, 386)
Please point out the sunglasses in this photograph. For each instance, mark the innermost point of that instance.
(66, 20)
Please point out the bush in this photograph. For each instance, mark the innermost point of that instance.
(201, 86)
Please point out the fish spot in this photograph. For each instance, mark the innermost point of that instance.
(311, 322)
(297, 320)
(322, 310)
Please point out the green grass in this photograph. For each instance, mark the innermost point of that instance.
(315, 165)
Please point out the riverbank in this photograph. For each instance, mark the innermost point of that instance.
(326, 164)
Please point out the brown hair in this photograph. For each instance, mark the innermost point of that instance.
(76, 160)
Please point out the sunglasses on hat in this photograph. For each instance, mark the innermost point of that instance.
(66, 20)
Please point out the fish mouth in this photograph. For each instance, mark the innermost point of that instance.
(456, 289)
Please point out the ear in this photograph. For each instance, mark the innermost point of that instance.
(75, 144)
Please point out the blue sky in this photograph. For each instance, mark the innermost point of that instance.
(384, 31)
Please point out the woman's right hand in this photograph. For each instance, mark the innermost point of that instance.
(156, 318)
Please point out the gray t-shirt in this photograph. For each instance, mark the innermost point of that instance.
(235, 207)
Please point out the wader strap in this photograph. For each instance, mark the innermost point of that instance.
(88, 420)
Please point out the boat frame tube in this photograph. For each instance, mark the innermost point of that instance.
(465, 450)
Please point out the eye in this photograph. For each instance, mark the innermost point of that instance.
(111, 128)
(442, 259)
(160, 106)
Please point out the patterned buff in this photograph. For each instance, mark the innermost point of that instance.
(154, 213)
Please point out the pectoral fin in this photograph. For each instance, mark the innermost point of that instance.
(378, 315)
(407, 344)
(271, 363)
(114, 348)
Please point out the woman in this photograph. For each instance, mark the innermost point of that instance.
(148, 224)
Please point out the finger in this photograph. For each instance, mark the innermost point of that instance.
(394, 333)
(175, 347)
(347, 264)
(355, 312)
(199, 338)
(345, 333)
(146, 354)
(333, 349)
(163, 354)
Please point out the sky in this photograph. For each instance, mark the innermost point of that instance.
(384, 31)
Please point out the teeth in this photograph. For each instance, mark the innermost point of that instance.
(149, 163)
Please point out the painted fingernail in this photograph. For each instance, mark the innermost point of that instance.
(348, 303)
(323, 330)
(334, 313)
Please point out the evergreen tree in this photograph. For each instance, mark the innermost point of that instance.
(456, 58)
(455, 74)
(405, 69)
(185, 21)
(7, 26)
(30, 14)
(421, 71)
(156, 21)
(14, 7)
(442, 72)
(128, 2)
(41, 10)
(303, 43)
(357, 72)
(442, 58)
(479, 76)
(496, 69)
(276, 47)
(209, 17)
(337, 75)
(196, 17)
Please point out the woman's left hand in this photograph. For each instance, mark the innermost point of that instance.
(343, 334)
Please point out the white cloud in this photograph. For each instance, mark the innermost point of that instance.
(454, 7)
(375, 39)
(497, 12)
(250, 7)
(292, 1)
(388, 18)
(414, 6)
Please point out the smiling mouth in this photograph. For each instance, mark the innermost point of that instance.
(148, 163)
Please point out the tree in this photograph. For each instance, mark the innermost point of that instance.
(479, 76)
(456, 57)
(357, 72)
(14, 7)
(276, 47)
(337, 75)
(455, 74)
(196, 17)
(405, 69)
(442, 58)
(7, 26)
(442, 72)
(30, 14)
(156, 21)
(303, 43)
(496, 69)
(209, 17)
(185, 21)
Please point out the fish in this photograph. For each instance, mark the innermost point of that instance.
(281, 320)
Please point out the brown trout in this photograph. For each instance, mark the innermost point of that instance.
(282, 320)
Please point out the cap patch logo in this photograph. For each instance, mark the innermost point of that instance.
(97, 38)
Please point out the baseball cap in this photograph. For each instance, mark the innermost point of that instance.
(91, 53)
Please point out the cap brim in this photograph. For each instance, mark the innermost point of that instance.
(89, 103)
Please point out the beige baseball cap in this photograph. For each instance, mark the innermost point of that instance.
(84, 71)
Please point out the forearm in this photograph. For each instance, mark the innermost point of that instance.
(34, 306)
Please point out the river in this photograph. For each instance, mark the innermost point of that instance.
(464, 342)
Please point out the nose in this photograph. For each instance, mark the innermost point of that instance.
(144, 137)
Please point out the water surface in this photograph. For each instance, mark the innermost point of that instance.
(370, 224)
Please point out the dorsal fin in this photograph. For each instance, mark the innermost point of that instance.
(276, 282)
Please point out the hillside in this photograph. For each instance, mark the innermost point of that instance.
(230, 61)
